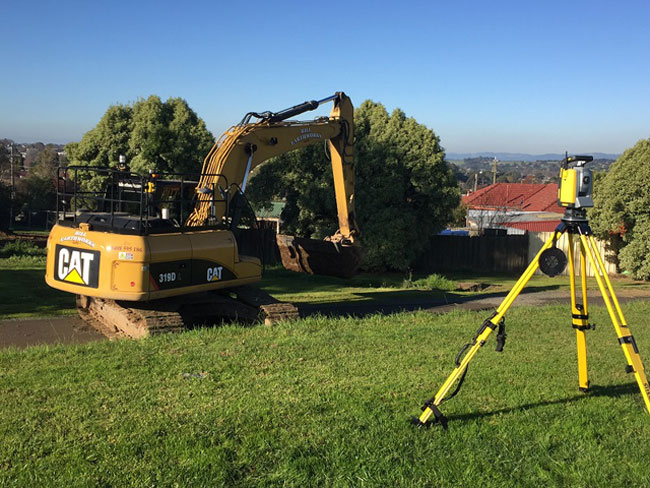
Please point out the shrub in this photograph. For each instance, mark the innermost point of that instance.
(21, 248)
(431, 282)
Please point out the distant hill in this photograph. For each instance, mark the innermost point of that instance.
(505, 156)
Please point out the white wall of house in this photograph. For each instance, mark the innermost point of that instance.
(537, 240)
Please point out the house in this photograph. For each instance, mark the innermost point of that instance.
(271, 215)
(513, 208)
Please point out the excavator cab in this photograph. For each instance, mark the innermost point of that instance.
(119, 201)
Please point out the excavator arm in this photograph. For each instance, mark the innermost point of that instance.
(243, 147)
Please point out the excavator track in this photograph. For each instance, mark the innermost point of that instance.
(271, 310)
(136, 320)
(115, 320)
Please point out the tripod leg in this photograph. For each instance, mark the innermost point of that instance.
(431, 406)
(579, 315)
(583, 279)
(585, 325)
(625, 338)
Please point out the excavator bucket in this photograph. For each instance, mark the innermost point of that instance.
(316, 256)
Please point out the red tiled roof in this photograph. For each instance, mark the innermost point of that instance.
(537, 197)
(536, 226)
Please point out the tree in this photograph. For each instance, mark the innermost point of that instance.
(46, 163)
(5, 205)
(405, 190)
(621, 212)
(4, 159)
(37, 192)
(32, 153)
(153, 135)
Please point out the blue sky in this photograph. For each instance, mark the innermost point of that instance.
(485, 76)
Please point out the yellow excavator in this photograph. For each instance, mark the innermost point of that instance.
(154, 253)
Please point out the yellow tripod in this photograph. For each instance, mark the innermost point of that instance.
(552, 261)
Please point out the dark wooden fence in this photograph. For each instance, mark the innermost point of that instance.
(507, 254)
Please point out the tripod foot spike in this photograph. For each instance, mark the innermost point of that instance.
(419, 424)
(428, 409)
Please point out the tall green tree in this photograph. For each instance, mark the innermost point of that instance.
(46, 163)
(152, 134)
(621, 212)
(405, 190)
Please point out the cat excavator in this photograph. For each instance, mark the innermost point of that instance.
(147, 254)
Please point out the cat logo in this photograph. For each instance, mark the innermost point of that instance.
(76, 266)
(214, 273)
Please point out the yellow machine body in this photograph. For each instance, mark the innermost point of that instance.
(136, 268)
(122, 266)
(567, 191)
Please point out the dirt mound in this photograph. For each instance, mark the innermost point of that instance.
(471, 286)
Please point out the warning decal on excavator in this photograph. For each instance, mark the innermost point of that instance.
(76, 266)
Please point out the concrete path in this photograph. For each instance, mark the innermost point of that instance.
(51, 330)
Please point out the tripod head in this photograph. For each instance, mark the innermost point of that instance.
(576, 183)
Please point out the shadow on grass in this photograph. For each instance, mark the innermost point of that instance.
(612, 391)
(279, 280)
(368, 298)
(407, 300)
(25, 293)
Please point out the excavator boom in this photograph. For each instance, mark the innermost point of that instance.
(248, 145)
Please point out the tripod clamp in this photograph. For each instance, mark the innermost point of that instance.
(501, 342)
(501, 335)
(582, 316)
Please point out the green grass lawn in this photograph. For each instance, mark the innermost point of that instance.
(24, 292)
(326, 402)
(365, 287)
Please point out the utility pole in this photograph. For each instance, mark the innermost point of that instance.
(494, 171)
(475, 182)
(12, 194)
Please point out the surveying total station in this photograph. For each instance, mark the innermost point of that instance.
(574, 194)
